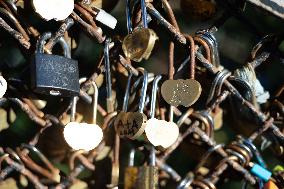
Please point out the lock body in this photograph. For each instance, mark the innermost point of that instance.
(130, 177)
(148, 177)
(55, 75)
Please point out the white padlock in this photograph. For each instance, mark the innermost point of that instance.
(84, 136)
(160, 132)
(53, 9)
(3, 86)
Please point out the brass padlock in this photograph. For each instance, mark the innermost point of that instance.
(148, 176)
(139, 43)
(131, 172)
(183, 92)
(132, 124)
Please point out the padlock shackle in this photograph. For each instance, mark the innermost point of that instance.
(107, 68)
(128, 17)
(131, 157)
(144, 14)
(47, 35)
(144, 89)
(152, 156)
(73, 108)
(41, 41)
(95, 102)
(210, 39)
(154, 95)
(127, 90)
(65, 46)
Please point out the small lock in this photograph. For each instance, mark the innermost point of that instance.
(148, 175)
(131, 172)
(139, 43)
(53, 74)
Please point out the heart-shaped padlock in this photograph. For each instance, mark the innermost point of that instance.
(139, 43)
(160, 132)
(181, 92)
(130, 124)
(83, 135)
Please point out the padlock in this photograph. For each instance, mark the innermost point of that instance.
(139, 43)
(53, 74)
(160, 132)
(183, 92)
(148, 175)
(132, 124)
(3, 86)
(84, 136)
(131, 172)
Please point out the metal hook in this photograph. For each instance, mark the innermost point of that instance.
(212, 42)
(144, 14)
(95, 103)
(144, 89)
(110, 104)
(128, 17)
(217, 83)
(186, 182)
(154, 95)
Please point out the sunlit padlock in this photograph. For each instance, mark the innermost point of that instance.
(183, 92)
(53, 9)
(139, 43)
(84, 136)
(53, 74)
(131, 172)
(160, 132)
(3, 86)
(132, 124)
(148, 175)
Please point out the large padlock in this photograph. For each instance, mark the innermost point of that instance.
(53, 74)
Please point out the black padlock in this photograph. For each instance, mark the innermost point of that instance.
(53, 74)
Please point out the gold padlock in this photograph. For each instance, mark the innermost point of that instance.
(131, 172)
(139, 43)
(148, 176)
